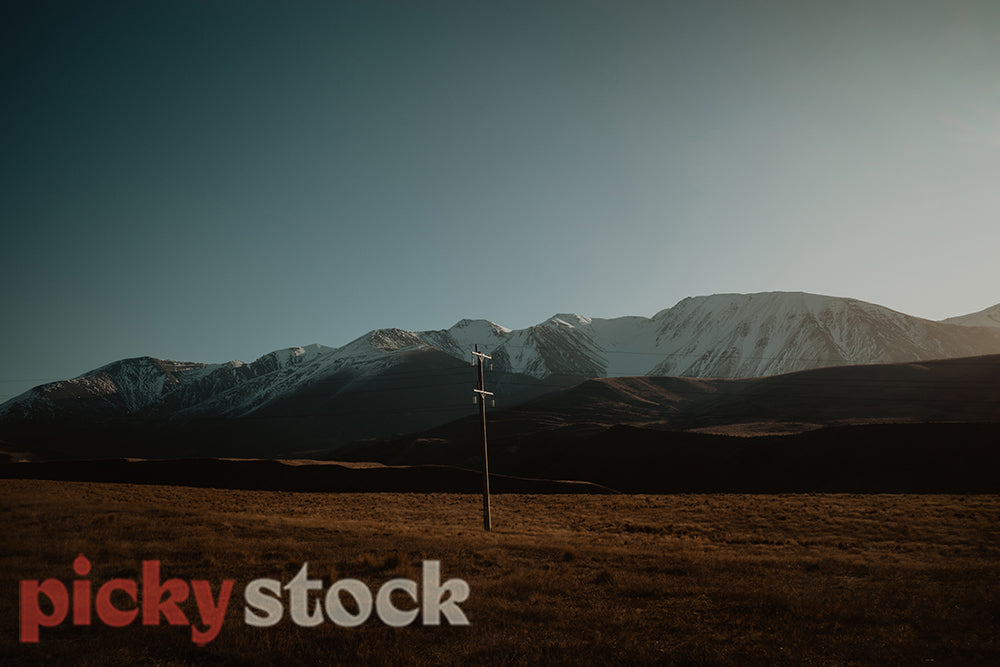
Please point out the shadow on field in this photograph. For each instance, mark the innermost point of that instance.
(274, 475)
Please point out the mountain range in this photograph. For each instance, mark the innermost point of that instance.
(393, 381)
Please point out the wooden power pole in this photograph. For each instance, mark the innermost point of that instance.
(480, 390)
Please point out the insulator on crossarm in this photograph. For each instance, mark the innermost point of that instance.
(493, 403)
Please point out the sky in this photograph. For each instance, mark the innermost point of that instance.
(212, 180)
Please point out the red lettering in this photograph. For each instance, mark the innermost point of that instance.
(212, 615)
(31, 613)
(107, 612)
(81, 592)
(81, 603)
(153, 603)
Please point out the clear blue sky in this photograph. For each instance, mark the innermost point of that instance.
(205, 181)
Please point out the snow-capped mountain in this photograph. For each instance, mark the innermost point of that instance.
(721, 336)
(737, 335)
(134, 386)
(724, 336)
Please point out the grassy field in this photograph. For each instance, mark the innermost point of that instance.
(680, 579)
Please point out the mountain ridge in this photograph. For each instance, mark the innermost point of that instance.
(988, 317)
(721, 336)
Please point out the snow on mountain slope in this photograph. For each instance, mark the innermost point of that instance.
(750, 335)
(283, 372)
(988, 317)
(733, 336)
(149, 386)
(464, 335)
(121, 387)
(627, 344)
(238, 388)
(747, 335)
(723, 335)
(554, 347)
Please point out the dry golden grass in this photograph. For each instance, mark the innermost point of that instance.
(687, 579)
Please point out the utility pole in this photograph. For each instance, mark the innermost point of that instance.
(482, 394)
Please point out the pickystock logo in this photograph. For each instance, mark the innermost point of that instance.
(150, 601)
